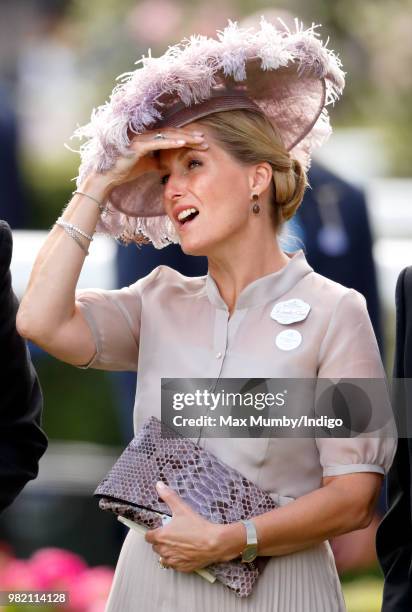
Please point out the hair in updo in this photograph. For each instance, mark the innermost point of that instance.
(251, 138)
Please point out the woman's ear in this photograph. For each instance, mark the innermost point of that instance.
(260, 177)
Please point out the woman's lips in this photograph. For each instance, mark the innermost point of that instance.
(186, 224)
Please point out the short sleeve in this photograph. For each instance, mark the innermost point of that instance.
(349, 350)
(114, 319)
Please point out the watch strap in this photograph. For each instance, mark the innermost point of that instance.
(249, 553)
(251, 534)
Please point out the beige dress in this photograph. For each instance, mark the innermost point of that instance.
(168, 325)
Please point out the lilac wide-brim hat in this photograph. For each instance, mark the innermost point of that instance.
(290, 76)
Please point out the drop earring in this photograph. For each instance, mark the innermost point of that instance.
(255, 207)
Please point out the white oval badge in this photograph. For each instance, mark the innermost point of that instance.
(288, 339)
(290, 311)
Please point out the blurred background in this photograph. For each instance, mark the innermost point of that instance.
(58, 60)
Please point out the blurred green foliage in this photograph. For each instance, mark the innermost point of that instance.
(78, 404)
(50, 187)
(363, 594)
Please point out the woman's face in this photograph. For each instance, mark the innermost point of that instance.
(206, 194)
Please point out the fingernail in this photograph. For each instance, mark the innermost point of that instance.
(198, 133)
(204, 145)
(160, 484)
(181, 141)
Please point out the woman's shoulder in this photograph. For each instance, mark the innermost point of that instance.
(331, 297)
(168, 280)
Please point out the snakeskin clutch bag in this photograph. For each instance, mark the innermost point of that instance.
(216, 491)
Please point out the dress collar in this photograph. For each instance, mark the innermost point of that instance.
(266, 288)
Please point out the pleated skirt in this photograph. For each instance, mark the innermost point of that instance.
(305, 581)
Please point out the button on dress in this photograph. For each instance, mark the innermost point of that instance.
(167, 325)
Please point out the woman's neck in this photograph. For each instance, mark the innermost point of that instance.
(234, 271)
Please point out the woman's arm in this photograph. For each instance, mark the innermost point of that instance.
(48, 313)
(344, 503)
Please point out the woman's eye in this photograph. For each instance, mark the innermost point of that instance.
(194, 161)
(190, 164)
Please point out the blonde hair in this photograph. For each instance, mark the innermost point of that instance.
(251, 138)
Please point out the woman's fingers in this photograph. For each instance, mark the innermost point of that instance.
(148, 146)
(166, 555)
(172, 134)
(162, 550)
(144, 143)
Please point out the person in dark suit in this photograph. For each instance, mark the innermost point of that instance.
(394, 537)
(22, 441)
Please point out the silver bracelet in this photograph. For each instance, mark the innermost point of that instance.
(100, 205)
(60, 221)
(73, 235)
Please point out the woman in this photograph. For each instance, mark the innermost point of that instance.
(228, 182)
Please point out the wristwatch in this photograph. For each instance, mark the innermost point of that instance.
(250, 551)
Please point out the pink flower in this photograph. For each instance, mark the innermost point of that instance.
(55, 568)
(17, 575)
(89, 591)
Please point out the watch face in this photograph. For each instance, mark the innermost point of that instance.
(249, 554)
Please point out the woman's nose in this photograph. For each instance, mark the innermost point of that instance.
(175, 187)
